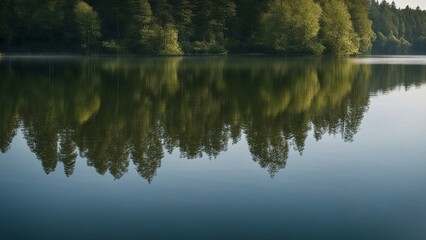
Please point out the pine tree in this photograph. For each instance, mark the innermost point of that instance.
(141, 31)
(184, 16)
(163, 11)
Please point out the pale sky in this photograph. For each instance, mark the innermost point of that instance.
(411, 3)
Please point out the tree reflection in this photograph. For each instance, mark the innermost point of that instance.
(9, 120)
(67, 154)
(113, 111)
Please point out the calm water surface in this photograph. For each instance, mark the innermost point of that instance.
(212, 148)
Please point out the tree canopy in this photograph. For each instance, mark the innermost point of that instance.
(169, 27)
(293, 26)
(87, 22)
(337, 32)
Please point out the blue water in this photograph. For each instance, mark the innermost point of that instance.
(358, 177)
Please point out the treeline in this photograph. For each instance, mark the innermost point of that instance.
(171, 27)
(399, 31)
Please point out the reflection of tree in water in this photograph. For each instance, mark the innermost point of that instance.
(67, 151)
(341, 105)
(8, 129)
(269, 148)
(9, 123)
(147, 152)
(42, 140)
(111, 111)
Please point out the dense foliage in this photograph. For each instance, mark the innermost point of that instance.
(399, 31)
(170, 27)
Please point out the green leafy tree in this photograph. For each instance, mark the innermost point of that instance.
(163, 11)
(359, 10)
(88, 24)
(212, 23)
(169, 41)
(184, 17)
(337, 33)
(293, 26)
(142, 31)
(47, 20)
(8, 16)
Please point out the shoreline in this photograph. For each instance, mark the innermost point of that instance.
(242, 55)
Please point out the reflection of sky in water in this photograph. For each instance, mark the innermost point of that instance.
(386, 60)
(374, 186)
(335, 188)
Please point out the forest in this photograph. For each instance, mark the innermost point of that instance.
(193, 27)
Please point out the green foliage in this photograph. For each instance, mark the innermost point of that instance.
(163, 12)
(335, 27)
(399, 29)
(7, 15)
(419, 45)
(337, 33)
(141, 33)
(391, 44)
(88, 25)
(183, 18)
(212, 23)
(169, 41)
(359, 10)
(293, 26)
(111, 46)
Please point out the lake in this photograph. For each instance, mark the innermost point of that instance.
(213, 148)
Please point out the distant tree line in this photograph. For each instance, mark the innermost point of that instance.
(171, 27)
(399, 31)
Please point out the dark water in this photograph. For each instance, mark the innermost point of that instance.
(212, 148)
